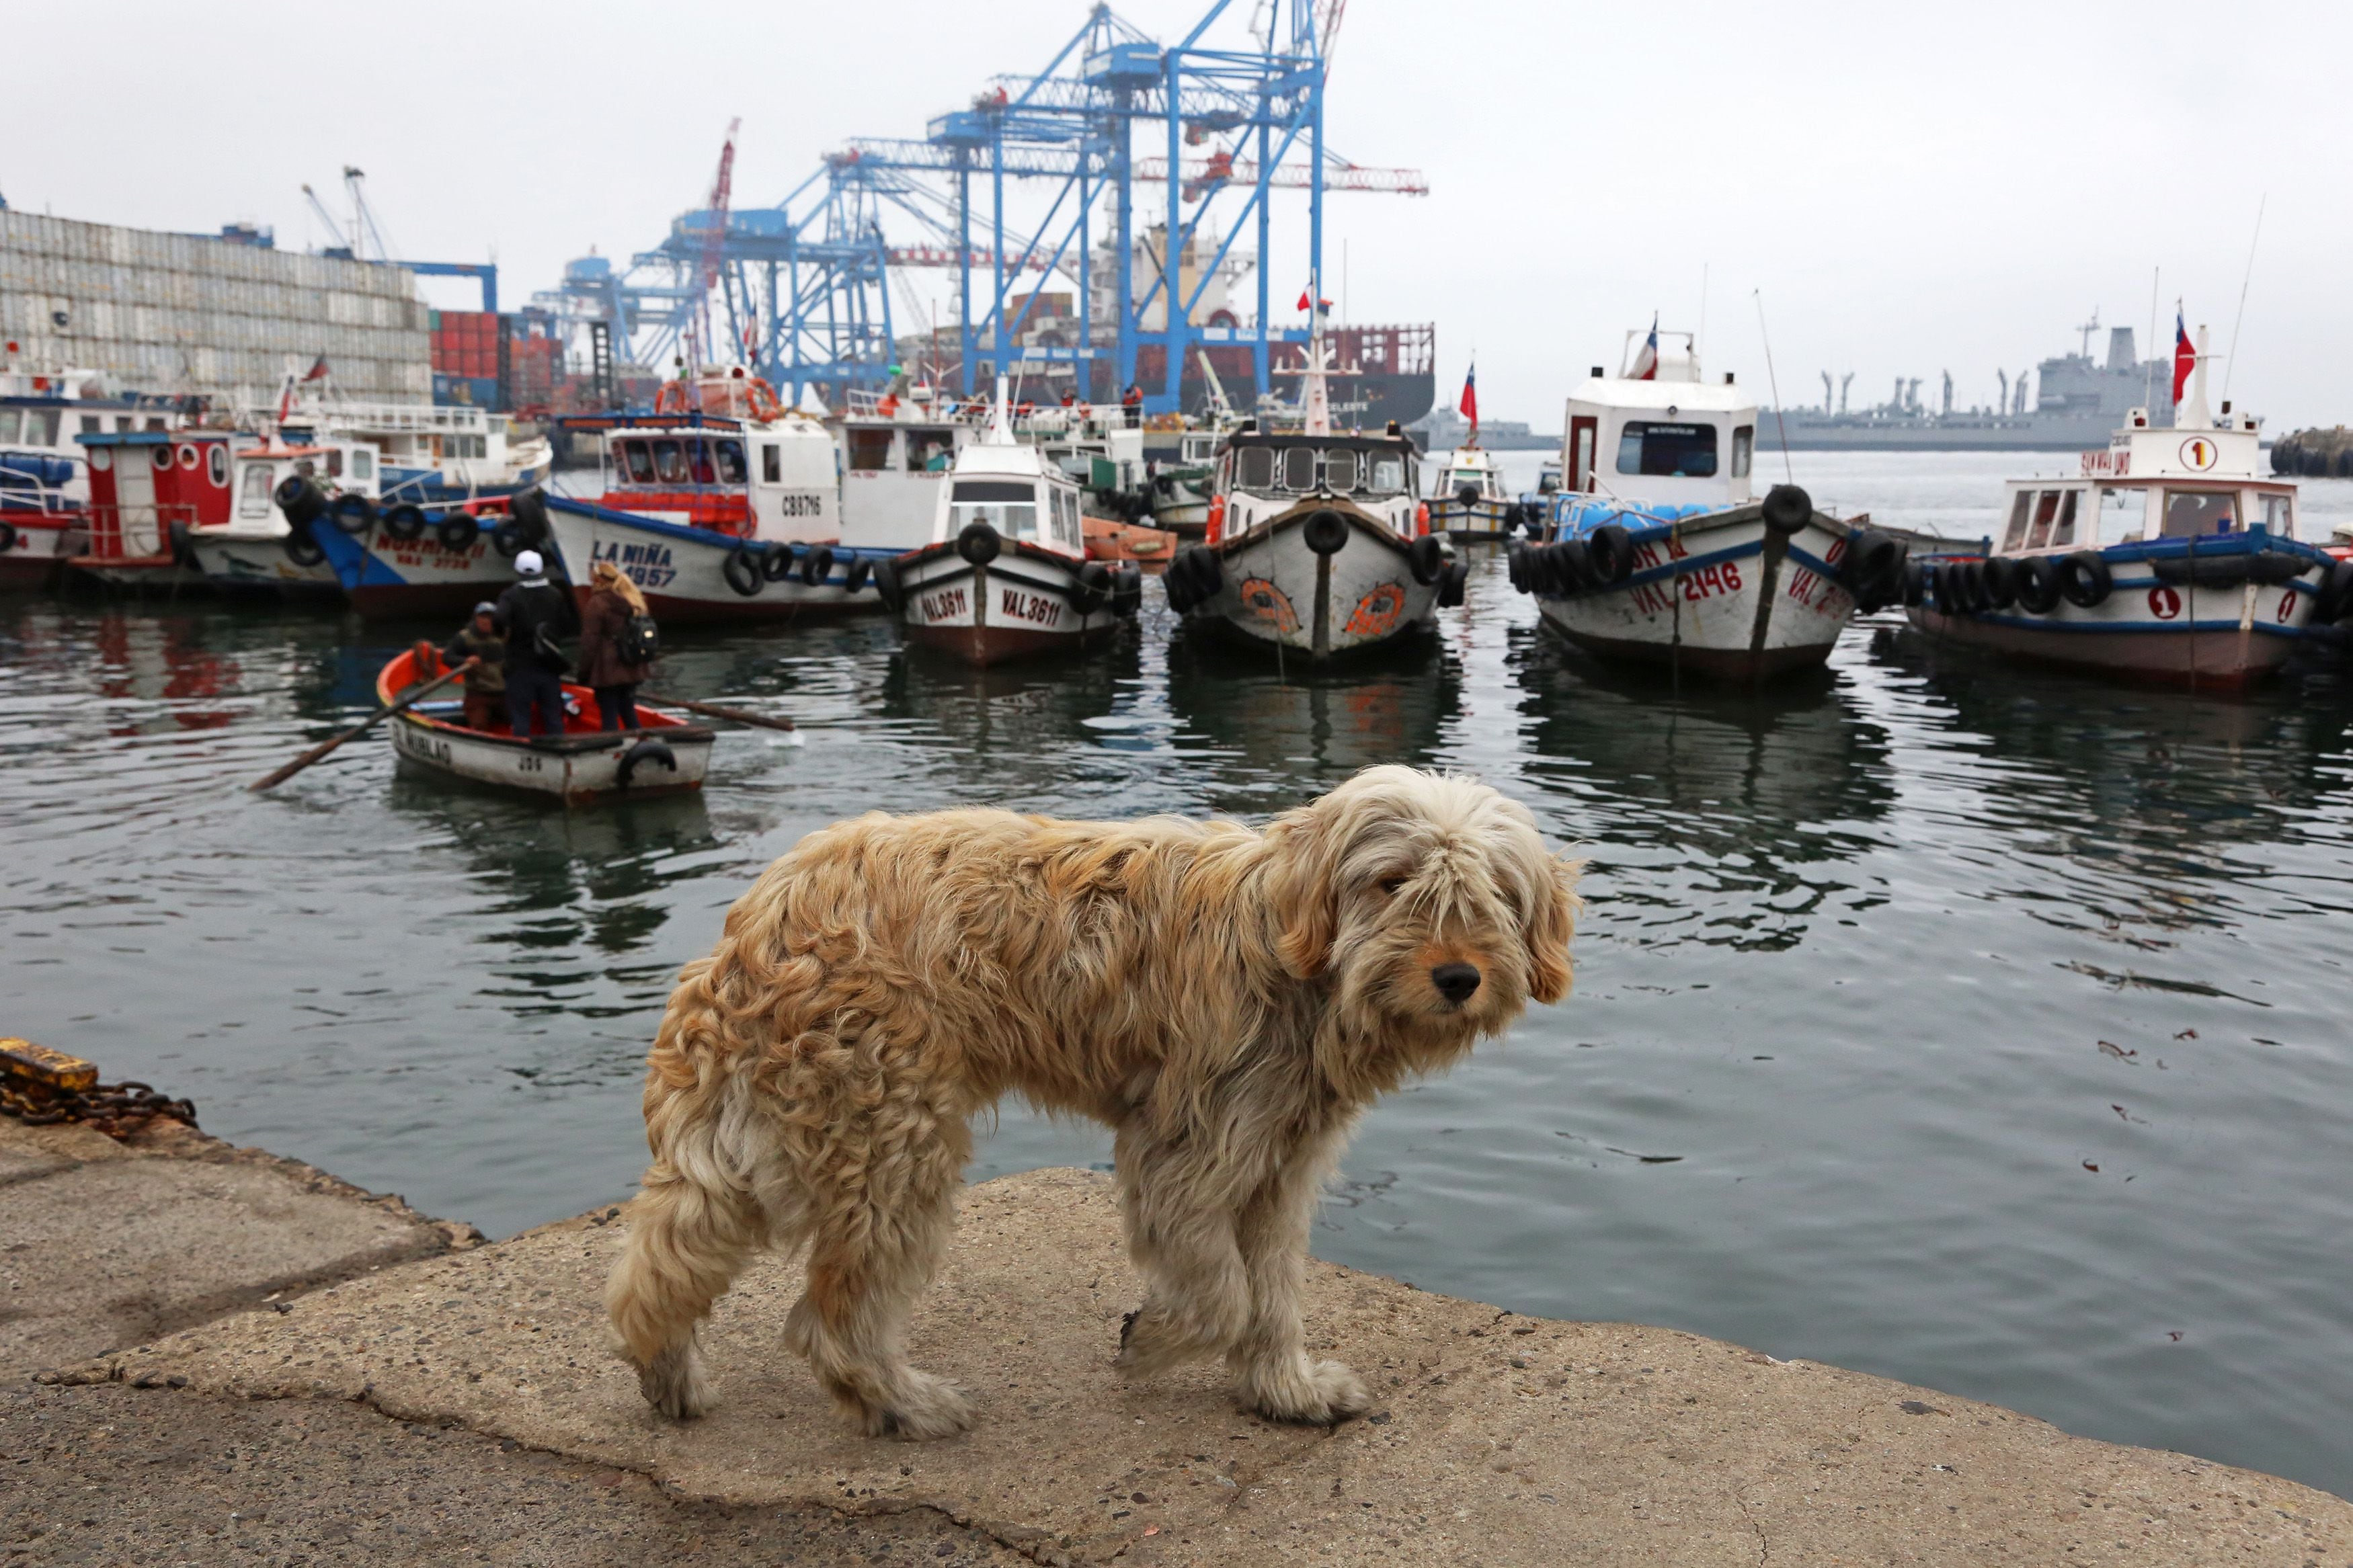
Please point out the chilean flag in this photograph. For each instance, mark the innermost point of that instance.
(1646, 364)
(2185, 358)
(1308, 302)
(1469, 407)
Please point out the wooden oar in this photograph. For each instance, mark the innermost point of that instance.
(716, 711)
(378, 717)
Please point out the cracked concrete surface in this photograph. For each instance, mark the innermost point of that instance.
(1498, 1439)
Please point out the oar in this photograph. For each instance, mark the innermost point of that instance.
(378, 717)
(760, 720)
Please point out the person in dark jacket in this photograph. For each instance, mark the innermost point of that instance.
(535, 614)
(486, 683)
(605, 664)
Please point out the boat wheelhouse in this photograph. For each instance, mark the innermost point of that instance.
(148, 492)
(1655, 549)
(1004, 574)
(1467, 497)
(2170, 556)
(895, 452)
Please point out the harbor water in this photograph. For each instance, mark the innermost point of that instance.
(1979, 1027)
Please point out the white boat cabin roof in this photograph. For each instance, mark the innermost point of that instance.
(1017, 490)
(1670, 437)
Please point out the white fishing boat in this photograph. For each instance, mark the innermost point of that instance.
(1318, 541)
(2171, 556)
(727, 512)
(425, 452)
(894, 455)
(43, 472)
(582, 765)
(290, 503)
(1467, 497)
(1655, 550)
(411, 560)
(1004, 574)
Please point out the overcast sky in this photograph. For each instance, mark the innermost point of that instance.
(1913, 189)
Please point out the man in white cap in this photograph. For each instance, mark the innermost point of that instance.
(535, 614)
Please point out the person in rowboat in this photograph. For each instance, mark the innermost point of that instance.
(535, 615)
(614, 633)
(486, 683)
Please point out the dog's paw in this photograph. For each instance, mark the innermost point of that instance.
(674, 1385)
(1312, 1393)
(1127, 1326)
(921, 1408)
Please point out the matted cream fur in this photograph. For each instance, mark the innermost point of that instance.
(1228, 1000)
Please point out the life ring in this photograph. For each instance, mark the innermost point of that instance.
(776, 563)
(816, 566)
(886, 585)
(854, 575)
(353, 512)
(2038, 584)
(743, 571)
(1089, 588)
(1450, 591)
(299, 499)
(1325, 533)
(2000, 574)
(457, 532)
(979, 543)
(405, 523)
(1609, 554)
(1786, 509)
(1217, 518)
(648, 750)
(2085, 580)
(527, 509)
(1427, 559)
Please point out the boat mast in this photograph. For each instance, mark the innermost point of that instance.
(1315, 397)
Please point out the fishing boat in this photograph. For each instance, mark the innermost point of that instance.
(1006, 574)
(582, 765)
(409, 559)
(1468, 500)
(1177, 488)
(2171, 556)
(1318, 541)
(1656, 550)
(149, 490)
(44, 472)
(292, 505)
(722, 505)
(425, 452)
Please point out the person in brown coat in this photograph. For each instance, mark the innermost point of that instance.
(608, 665)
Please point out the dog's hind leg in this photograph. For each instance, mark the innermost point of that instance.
(879, 1206)
(1180, 1232)
(1274, 1374)
(688, 1233)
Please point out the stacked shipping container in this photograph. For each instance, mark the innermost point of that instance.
(185, 313)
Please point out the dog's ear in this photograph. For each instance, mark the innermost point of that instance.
(1302, 891)
(1551, 923)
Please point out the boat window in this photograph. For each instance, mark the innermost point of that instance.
(41, 427)
(1340, 468)
(1677, 451)
(363, 463)
(2064, 533)
(155, 424)
(1073, 530)
(1744, 451)
(254, 499)
(771, 463)
(11, 421)
(1299, 469)
(334, 462)
(669, 464)
(91, 424)
(698, 458)
(123, 422)
(2123, 515)
(1010, 507)
(638, 462)
(2016, 538)
(870, 450)
(730, 463)
(2045, 509)
(1388, 476)
(2189, 513)
(2279, 515)
(1257, 468)
(928, 451)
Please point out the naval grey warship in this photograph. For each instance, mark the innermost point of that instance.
(2078, 404)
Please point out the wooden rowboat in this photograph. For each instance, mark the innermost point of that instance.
(583, 765)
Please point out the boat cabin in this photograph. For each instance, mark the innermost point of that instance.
(2183, 482)
(1471, 469)
(416, 443)
(1264, 473)
(1657, 432)
(895, 454)
(142, 482)
(751, 479)
(1017, 490)
(337, 467)
(44, 415)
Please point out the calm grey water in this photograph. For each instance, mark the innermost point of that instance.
(1980, 1028)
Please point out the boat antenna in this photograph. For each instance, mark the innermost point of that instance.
(2148, 372)
(1780, 422)
(2232, 364)
(1701, 336)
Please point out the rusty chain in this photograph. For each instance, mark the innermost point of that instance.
(44, 1088)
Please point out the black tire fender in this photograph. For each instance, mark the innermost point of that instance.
(1204, 573)
(182, 551)
(1915, 584)
(1426, 556)
(528, 510)
(1089, 588)
(1325, 533)
(299, 499)
(8, 536)
(1786, 509)
(1573, 565)
(743, 571)
(403, 524)
(301, 549)
(816, 566)
(2038, 584)
(1128, 593)
(854, 576)
(1515, 567)
(510, 538)
(640, 754)
(2334, 596)
(457, 532)
(979, 543)
(1609, 554)
(1449, 588)
(776, 563)
(353, 512)
(2000, 574)
(1871, 565)
(887, 586)
(2085, 580)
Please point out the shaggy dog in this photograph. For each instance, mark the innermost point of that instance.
(1227, 1000)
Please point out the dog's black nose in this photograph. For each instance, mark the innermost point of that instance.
(1455, 981)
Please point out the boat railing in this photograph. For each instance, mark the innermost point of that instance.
(21, 493)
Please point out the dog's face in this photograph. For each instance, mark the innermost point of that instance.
(1430, 903)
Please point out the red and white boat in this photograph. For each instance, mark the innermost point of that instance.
(149, 490)
(258, 545)
(1006, 574)
(582, 765)
(727, 510)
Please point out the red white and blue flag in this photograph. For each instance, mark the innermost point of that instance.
(1469, 407)
(1646, 364)
(2185, 358)
(1308, 302)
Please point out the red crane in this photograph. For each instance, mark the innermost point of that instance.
(714, 237)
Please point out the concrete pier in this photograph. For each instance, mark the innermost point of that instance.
(471, 1383)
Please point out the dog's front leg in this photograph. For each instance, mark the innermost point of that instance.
(1178, 1201)
(1274, 1374)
